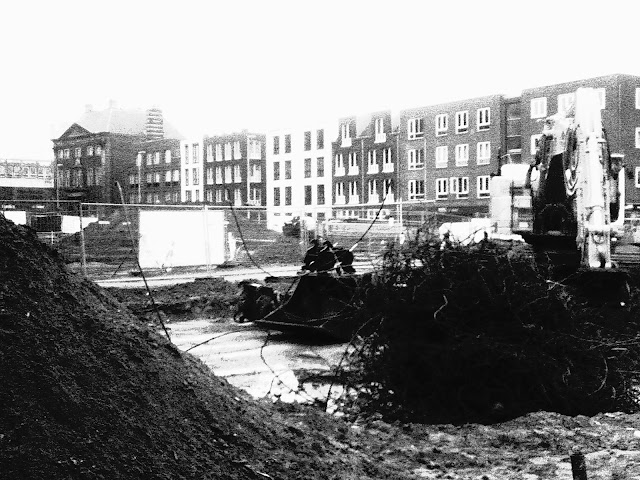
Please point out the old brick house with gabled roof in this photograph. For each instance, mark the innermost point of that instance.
(100, 151)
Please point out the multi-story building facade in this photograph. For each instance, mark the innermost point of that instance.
(234, 167)
(99, 152)
(365, 174)
(298, 173)
(191, 161)
(155, 177)
(447, 155)
(620, 103)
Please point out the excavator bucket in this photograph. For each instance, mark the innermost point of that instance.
(321, 306)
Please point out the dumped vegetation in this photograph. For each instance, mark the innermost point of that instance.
(477, 334)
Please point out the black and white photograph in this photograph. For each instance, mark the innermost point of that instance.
(341, 240)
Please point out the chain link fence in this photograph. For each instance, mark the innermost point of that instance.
(108, 240)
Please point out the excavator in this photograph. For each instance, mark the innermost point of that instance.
(569, 203)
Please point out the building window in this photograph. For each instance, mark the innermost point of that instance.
(415, 159)
(462, 122)
(167, 177)
(442, 156)
(320, 139)
(482, 186)
(307, 195)
(388, 187)
(255, 149)
(459, 186)
(415, 128)
(276, 170)
(156, 158)
(176, 176)
(372, 164)
(77, 152)
(276, 145)
(442, 124)
(187, 196)
(237, 196)
(219, 178)
(484, 153)
(287, 195)
(462, 155)
(98, 149)
(637, 137)
(61, 154)
(255, 196)
(219, 195)
(339, 189)
(167, 156)
(442, 188)
(353, 189)
(416, 189)
(535, 141)
(373, 190)
(209, 153)
(307, 167)
(90, 150)
(320, 167)
(287, 169)
(276, 196)
(186, 153)
(287, 144)
(345, 134)
(186, 177)
(237, 174)
(320, 195)
(539, 107)
(67, 153)
(236, 150)
(227, 151)
(353, 164)
(307, 140)
(228, 174)
(218, 152)
(156, 178)
(387, 160)
(339, 164)
(380, 136)
(483, 119)
(566, 101)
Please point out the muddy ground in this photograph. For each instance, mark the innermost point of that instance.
(91, 390)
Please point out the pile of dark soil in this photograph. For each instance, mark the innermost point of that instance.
(211, 297)
(88, 391)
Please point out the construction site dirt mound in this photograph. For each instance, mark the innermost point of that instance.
(88, 391)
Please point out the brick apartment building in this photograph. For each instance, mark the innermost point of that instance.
(234, 169)
(447, 155)
(620, 104)
(102, 148)
(26, 180)
(365, 174)
(298, 173)
(155, 177)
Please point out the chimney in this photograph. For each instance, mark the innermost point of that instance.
(154, 127)
(88, 108)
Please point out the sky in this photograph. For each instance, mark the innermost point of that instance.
(215, 67)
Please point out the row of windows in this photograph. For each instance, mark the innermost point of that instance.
(155, 198)
(169, 176)
(415, 126)
(373, 162)
(379, 131)
(255, 174)
(308, 169)
(24, 171)
(153, 158)
(79, 178)
(90, 150)
(565, 103)
(308, 195)
(232, 151)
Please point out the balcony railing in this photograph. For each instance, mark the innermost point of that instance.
(354, 170)
(341, 200)
(346, 142)
(387, 168)
(374, 198)
(340, 172)
(373, 169)
(354, 199)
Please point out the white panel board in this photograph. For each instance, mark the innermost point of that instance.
(19, 217)
(170, 238)
(71, 223)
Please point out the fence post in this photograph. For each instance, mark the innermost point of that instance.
(207, 250)
(83, 256)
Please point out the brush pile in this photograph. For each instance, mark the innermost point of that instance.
(478, 334)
